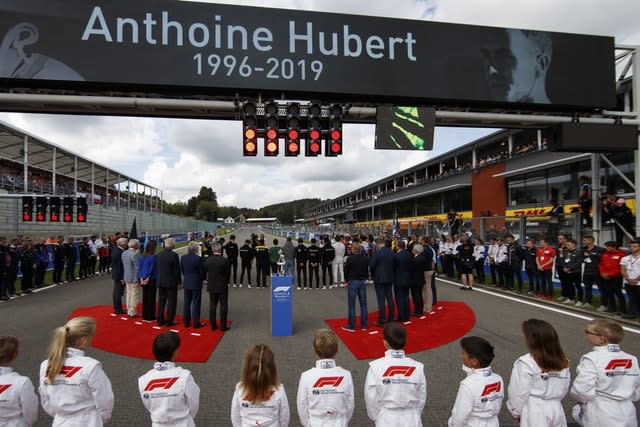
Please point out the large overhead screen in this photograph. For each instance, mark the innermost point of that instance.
(216, 49)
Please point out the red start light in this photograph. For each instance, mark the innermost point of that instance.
(54, 217)
(335, 147)
(314, 147)
(314, 134)
(293, 134)
(250, 147)
(39, 217)
(81, 218)
(26, 217)
(336, 134)
(272, 147)
(249, 133)
(67, 218)
(272, 133)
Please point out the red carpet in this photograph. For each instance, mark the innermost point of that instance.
(133, 337)
(451, 320)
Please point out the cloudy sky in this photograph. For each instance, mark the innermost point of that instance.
(179, 156)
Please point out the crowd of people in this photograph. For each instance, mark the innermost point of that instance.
(74, 389)
(71, 260)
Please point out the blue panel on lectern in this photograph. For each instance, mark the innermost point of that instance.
(281, 305)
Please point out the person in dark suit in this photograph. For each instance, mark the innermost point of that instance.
(193, 272)
(420, 265)
(381, 267)
(117, 274)
(218, 272)
(71, 257)
(169, 279)
(403, 271)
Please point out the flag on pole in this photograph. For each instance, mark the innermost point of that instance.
(133, 234)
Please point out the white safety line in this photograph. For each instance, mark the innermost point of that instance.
(533, 304)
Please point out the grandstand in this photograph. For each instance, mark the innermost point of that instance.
(31, 165)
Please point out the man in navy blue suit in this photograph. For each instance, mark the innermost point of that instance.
(193, 273)
(381, 268)
(403, 273)
(218, 272)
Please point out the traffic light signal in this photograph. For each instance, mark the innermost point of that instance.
(292, 138)
(249, 129)
(81, 215)
(271, 145)
(54, 209)
(27, 208)
(41, 208)
(67, 209)
(314, 135)
(333, 146)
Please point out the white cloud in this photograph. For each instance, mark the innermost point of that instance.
(179, 156)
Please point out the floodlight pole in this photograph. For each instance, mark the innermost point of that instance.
(373, 199)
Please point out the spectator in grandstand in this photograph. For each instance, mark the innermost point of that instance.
(530, 268)
(630, 269)
(27, 266)
(70, 258)
(193, 272)
(611, 276)
(585, 201)
(131, 276)
(556, 216)
(169, 279)
(381, 268)
(591, 259)
(148, 280)
(623, 221)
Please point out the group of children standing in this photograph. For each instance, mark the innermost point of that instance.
(74, 389)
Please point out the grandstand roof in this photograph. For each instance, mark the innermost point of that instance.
(40, 154)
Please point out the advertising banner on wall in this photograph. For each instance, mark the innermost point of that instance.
(213, 49)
